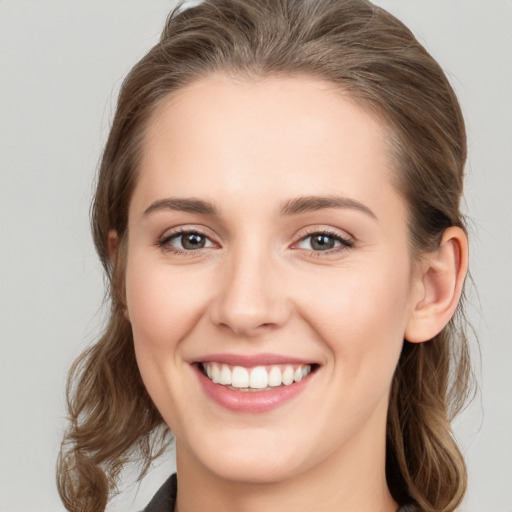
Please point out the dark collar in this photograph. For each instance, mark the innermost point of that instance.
(165, 498)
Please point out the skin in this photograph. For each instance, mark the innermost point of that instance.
(259, 286)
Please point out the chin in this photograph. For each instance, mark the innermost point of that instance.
(263, 460)
(262, 470)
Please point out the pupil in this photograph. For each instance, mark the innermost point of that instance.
(193, 241)
(322, 242)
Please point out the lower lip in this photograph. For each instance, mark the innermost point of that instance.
(251, 401)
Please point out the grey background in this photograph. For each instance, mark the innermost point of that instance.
(61, 64)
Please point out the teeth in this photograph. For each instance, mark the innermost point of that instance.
(225, 375)
(288, 375)
(275, 377)
(259, 377)
(215, 374)
(240, 377)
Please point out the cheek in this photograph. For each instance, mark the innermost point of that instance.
(163, 304)
(164, 307)
(362, 315)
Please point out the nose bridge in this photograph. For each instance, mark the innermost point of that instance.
(250, 296)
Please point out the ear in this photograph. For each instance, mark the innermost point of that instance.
(113, 241)
(438, 286)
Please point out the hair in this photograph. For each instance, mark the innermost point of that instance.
(377, 61)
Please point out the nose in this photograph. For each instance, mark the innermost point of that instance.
(252, 296)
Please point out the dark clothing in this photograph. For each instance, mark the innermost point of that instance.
(164, 499)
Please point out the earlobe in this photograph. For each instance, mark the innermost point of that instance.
(439, 286)
(113, 242)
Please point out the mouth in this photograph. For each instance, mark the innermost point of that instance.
(257, 378)
(256, 383)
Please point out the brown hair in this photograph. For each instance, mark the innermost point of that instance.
(377, 60)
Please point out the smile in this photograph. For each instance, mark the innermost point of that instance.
(254, 384)
(258, 378)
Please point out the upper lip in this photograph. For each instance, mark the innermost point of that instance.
(251, 360)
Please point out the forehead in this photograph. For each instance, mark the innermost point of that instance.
(286, 137)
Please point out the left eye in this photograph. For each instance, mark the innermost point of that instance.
(323, 242)
(188, 241)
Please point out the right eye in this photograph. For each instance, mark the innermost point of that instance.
(185, 241)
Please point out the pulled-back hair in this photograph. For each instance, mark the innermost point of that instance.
(374, 58)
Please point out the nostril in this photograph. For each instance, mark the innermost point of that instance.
(244, 326)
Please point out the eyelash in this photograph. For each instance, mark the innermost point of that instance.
(165, 245)
(345, 243)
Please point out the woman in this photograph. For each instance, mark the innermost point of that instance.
(277, 212)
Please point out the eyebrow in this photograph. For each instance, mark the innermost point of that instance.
(291, 207)
(314, 203)
(184, 205)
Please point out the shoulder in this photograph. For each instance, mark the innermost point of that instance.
(165, 497)
(408, 508)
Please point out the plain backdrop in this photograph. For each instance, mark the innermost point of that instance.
(61, 64)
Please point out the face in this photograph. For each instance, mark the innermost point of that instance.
(268, 279)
